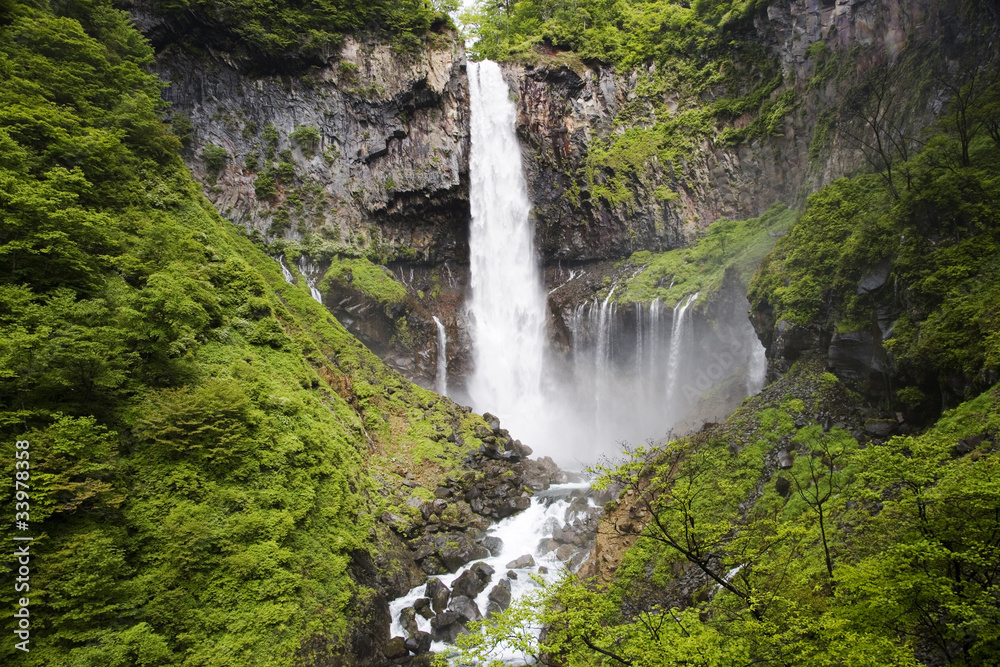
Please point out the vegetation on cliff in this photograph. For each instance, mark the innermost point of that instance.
(790, 535)
(695, 74)
(209, 447)
(910, 258)
(289, 35)
(806, 529)
(736, 246)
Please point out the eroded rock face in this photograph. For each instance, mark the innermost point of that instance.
(388, 164)
(563, 114)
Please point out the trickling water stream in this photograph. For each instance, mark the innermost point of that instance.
(441, 379)
(309, 272)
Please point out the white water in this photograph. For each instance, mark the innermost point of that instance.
(441, 379)
(676, 344)
(507, 306)
(521, 535)
(310, 273)
(289, 278)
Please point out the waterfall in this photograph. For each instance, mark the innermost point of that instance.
(289, 278)
(507, 305)
(441, 379)
(676, 343)
(309, 271)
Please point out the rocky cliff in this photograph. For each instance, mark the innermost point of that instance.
(564, 113)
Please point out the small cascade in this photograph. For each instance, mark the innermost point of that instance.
(523, 534)
(289, 278)
(309, 272)
(676, 343)
(757, 372)
(441, 379)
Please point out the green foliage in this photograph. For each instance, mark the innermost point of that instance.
(938, 243)
(307, 139)
(736, 246)
(362, 275)
(215, 159)
(201, 431)
(880, 555)
(280, 34)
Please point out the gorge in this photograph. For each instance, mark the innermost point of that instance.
(312, 316)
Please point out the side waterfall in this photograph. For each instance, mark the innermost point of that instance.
(441, 379)
(309, 272)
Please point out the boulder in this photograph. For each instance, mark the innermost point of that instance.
(494, 545)
(880, 428)
(438, 593)
(419, 643)
(395, 648)
(527, 560)
(465, 584)
(785, 459)
(408, 619)
(465, 608)
(500, 594)
(511, 574)
(565, 552)
(492, 609)
(783, 486)
(423, 607)
(444, 619)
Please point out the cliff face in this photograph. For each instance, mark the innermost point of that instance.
(370, 152)
(564, 114)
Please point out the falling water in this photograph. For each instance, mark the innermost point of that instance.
(441, 379)
(676, 343)
(309, 272)
(284, 271)
(507, 306)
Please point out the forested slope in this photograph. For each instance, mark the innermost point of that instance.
(209, 448)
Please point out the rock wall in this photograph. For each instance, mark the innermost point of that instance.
(562, 113)
(387, 173)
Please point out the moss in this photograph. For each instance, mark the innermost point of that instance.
(737, 246)
(362, 275)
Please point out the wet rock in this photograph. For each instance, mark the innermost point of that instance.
(541, 473)
(783, 486)
(492, 609)
(565, 552)
(512, 506)
(446, 627)
(395, 648)
(543, 570)
(408, 619)
(527, 560)
(465, 608)
(438, 593)
(432, 565)
(493, 544)
(493, 421)
(419, 642)
(461, 553)
(500, 594)
(423, 607)
(512, 575)
(465, 584)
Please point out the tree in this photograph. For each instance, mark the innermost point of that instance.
(875, 120)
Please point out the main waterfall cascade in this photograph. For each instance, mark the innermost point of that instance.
(633, 372)
(507, 306)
